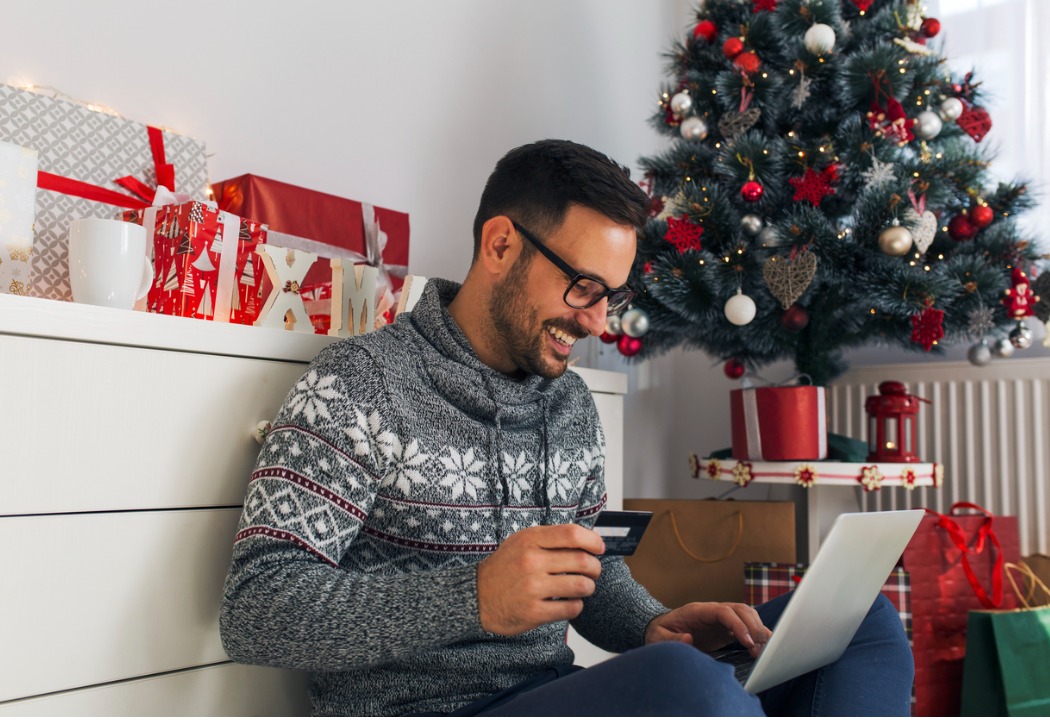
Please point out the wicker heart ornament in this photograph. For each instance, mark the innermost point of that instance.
(925, 231)
(975, 122)
(732, 124)
(788, 278)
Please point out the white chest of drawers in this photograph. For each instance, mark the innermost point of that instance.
(125, 447)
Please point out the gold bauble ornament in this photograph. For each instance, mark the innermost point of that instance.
(895, 240)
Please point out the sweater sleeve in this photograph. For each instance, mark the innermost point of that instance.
(615, 617)
(287, 601)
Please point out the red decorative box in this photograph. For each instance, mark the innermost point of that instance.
(204, 262)
(779, 423)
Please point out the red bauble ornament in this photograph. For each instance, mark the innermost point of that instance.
(863, 5)
(732, 47)
(752, 191)
(608, 338)
(628, 345)
(930, 27)
(981, 215)
(734, 369)
(748, 62)
(705, 29)
(960, 228)
(795, 318)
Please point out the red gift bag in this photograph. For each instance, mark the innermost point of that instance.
(956, 565)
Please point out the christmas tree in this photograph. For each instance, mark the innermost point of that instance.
(826, 188)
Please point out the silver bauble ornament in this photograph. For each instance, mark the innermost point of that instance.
(928, 125)
(951, 109)
(740, 309)
(681, 103)
(1004, 348)
(1021, 337)
(693, 128)
(612, 325)
(980, 354)
(895, 240)
(751, 224)
(634, 322)
(768, 237)
(819, 39)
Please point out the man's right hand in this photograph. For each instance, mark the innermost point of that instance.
(537, 576)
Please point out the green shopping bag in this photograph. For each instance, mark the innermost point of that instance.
(1007, 667)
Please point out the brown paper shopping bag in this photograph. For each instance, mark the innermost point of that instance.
(695, 550)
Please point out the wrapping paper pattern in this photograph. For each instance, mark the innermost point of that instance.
(90, 146)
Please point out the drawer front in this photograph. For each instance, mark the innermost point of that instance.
(102, 427)
(101, 597)
(217, 690)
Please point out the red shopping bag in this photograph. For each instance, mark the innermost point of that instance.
(956, 565)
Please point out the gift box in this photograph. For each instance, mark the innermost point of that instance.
(205, 262)
(779, 423)
(17, 201)
(83, 154)
(764, 581)
(328, 225)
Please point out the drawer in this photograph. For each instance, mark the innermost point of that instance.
(217, 690)
(101, 597)
(104, 427)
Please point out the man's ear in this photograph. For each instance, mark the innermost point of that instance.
(500, 245)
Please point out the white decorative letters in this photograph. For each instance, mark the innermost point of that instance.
(287, 269)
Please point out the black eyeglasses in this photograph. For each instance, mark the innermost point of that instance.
(583, 291)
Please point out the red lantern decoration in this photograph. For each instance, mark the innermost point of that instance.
(892, 430)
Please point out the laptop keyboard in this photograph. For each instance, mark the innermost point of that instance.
(737, 656)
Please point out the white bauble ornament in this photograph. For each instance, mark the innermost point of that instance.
(751, 224)
(768, 237)
(928, 125)
(951, 109)
(819, 39)
(634, 322)
(1004, 348)
(980, 354)
(740, 309)
(681, 103)
(693, 128)
(612, 325)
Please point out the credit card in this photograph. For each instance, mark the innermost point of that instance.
(622, 529)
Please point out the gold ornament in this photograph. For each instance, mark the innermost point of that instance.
(895, 240)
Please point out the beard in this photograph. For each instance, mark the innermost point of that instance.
(517, 331)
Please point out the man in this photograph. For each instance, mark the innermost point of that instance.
(417, 529)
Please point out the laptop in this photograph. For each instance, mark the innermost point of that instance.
(831, 599)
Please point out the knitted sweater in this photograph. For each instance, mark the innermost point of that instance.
(397, 463)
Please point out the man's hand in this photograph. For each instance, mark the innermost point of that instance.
(537, 576)
(710, 626)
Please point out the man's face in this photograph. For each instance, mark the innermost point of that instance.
(532, 325)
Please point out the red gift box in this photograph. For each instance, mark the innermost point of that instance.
(764, 581)
(204, 262)
(779, 423)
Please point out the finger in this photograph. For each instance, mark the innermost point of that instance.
(558, 537)
(746, 626)
(575, 562)
(569, 586)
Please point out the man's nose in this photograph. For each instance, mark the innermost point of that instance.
(593, 318)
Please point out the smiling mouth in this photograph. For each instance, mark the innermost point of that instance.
(561, 336)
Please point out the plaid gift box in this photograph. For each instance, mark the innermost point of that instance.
(765, 581)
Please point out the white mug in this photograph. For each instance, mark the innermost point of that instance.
(108, 264)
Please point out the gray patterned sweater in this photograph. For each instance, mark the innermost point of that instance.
(397, 463)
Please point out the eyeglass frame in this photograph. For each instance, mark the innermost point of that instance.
(575, 276)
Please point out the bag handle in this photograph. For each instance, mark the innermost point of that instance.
(690, 553)
(1034, 583)
(984, 533)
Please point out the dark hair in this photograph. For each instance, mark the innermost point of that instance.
(535, 184)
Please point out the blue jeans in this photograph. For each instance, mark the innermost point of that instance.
(873, 677)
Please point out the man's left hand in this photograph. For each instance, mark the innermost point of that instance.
(709, 626)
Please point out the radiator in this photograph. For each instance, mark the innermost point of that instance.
(987, 425)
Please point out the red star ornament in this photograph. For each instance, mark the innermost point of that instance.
(927, 327)
(814, 186)
(683, 234)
